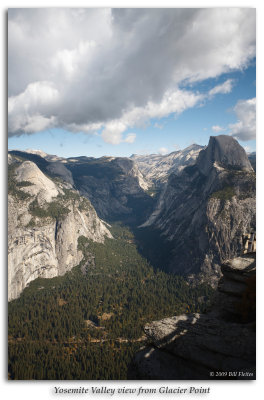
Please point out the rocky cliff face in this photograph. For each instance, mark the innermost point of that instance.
(40, 187)
(223, 151)
(45, 220)
(205, 210)
(156, 168)
(114, 185)
(218, 345)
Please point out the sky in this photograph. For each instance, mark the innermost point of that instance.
(31, 63)
(101, 81)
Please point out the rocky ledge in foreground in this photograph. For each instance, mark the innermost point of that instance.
(218, 345)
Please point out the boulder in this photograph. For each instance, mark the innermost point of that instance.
(220, 344)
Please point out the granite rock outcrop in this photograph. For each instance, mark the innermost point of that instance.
(114, 185)
(156, 168)
(45, 220)
(220, 344)
(204, 210)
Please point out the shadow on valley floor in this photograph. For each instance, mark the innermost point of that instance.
(149, 242)
(152, 246)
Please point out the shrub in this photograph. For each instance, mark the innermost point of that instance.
(54, 210)
(225, 194)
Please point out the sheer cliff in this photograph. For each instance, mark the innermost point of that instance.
(204, 211)
(218, 345)
(114, 185)
(199, 220)
(45, 220)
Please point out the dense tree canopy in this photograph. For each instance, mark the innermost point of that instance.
(89, 323)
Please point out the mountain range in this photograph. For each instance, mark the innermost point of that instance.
(206, 208)
(156, 168)
(189, 209)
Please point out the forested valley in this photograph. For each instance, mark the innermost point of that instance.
(88, 324)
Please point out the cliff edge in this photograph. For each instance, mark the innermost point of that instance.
(218, 345)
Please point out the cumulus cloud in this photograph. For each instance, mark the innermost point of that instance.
(27, 111)
(217, 128)
(113, 132)
(223, 88)
(68, 62)
(106, 70)
(245, 127)
(172, 102)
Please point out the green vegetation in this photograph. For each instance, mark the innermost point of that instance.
(84, 204)
(31, 223)
(13, 185)
(24, 184)
(70, 194)
(69, 361)
(53, 210)
(89, 323)
(153, 246)
(225, 194)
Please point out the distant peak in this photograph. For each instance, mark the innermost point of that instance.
(193, 146)
(38, 152)
(224, 150)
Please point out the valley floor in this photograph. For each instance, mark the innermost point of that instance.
(89, 323)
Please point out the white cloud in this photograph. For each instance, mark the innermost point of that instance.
(130, 138)
(88, 128)
(100, 69)
(69, 62)
(158, 126)
(223, 88)
(245, 127)
(163, 151)
(24, 109)
(36, 94)
(37, 123)
(217, 128)
(172, 102)
(112, 132)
